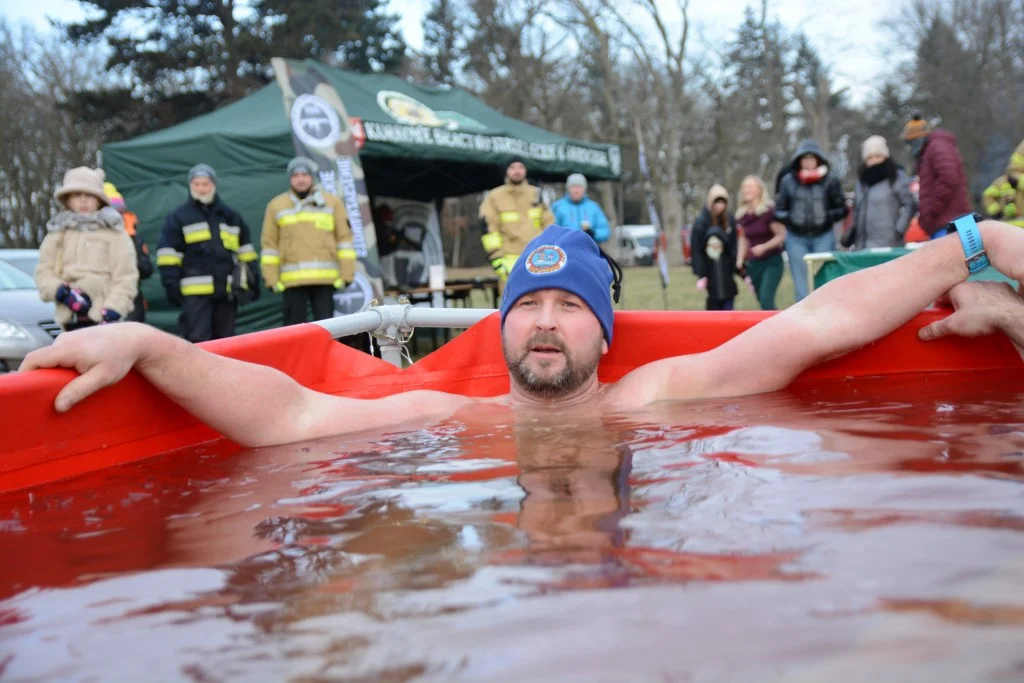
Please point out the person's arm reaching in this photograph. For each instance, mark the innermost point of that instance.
(278, 411)
(842, 316)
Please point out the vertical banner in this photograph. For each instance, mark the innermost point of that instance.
(653, 213)
(322, 131)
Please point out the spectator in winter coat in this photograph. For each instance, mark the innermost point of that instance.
(143, 262)
(717, 257)
(764, 237)
(578, 211)
(87, 260)
(943, 195)
(809, 203)
(883, 203)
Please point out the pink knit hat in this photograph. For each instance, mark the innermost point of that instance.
(82, 179)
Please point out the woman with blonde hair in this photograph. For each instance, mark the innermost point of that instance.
(765, 238)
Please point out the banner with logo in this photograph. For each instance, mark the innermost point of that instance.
(321, 131)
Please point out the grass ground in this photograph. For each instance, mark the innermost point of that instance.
(642, 291)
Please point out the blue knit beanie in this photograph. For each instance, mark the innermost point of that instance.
(562, 258)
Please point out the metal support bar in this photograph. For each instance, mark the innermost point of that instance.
(392, 324)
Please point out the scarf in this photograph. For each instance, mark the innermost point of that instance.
(106, 218)
(812, 176)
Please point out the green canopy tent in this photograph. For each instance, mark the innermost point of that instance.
(416, 142)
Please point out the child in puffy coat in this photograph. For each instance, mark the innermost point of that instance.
(716, 251)
(87, 261)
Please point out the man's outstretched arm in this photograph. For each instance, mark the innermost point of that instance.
(842, 316)
(253, 405)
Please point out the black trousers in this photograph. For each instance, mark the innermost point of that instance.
(204, 318)
(298, 301)
(320, 298)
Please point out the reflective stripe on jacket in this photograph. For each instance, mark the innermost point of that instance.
(204, 241)
(307, 241)
(515, 214)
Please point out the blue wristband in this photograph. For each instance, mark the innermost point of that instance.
(970, 238)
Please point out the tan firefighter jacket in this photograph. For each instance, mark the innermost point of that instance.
(307, 242)
(515, 214)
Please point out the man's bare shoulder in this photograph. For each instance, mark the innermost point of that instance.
(678, 378)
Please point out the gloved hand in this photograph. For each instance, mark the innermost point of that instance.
(279, 287)
(1010, 210)
(110, 315)
(503, 265)
(174, 296)
(702, 284)
(74, 298)
(340, 284)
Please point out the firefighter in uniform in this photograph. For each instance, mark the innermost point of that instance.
(511, 216)
(1004, 199)
(306, 246)
(207, 261)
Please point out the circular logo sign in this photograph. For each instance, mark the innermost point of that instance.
(314, 121)
(545, 259)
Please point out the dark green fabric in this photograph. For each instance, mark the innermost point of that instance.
(249, 144)
(848, 262)
(766, 275)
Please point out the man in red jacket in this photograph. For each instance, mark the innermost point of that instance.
(943, 194)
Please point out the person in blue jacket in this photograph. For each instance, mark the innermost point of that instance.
(578, 211)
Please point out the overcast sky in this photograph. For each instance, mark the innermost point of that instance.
(845, 31)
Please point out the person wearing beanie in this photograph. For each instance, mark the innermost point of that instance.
(307, 248)
(940, 169)
(556, 323)
(809, 203)
(87, 260)
(577, 210)
(207, 261)
(883, 203)
(142, 260)
(715, 250)
(510, 216)
(1004, 198)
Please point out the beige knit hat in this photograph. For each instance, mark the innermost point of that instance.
(83, 179)
(875, 144)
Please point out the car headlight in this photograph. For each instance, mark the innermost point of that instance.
(9, 330)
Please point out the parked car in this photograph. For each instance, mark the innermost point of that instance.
(22, 259)
(637, 245)
(26, 323)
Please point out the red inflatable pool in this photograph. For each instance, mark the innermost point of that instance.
(132, 421)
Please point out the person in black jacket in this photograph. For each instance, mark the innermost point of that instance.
(810, 201)
(207, 260)
(715, 251)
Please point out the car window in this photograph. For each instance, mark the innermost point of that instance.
(13, 278)
(25, 264)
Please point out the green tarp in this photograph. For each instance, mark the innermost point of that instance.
(842, 263)
(420, 143)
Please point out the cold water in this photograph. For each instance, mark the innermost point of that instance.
(859, 530)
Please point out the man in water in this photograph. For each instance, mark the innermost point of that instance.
(556, 321)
